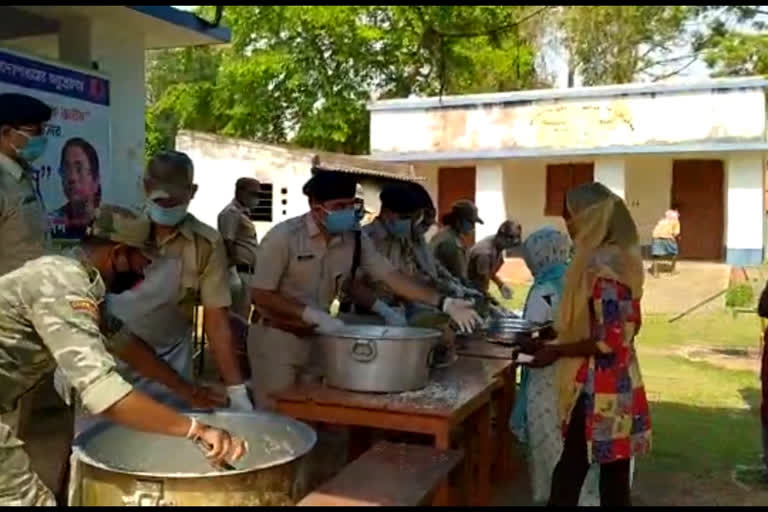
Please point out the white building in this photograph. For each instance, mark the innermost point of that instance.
(110, 40)
(700, 146)
(282, 171)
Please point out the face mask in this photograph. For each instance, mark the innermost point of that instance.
(399, 227)
(251, 202)
(467, 227)
(167, 216)
(34, 148)
(341, 221)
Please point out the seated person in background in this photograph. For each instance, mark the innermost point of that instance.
(665, 236)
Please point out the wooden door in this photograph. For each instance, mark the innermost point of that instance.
(560, 179)
(453, 184)
(697, 192)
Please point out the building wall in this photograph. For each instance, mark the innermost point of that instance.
(517, 189)
(219, 164)
(745, 218)
(575, 123)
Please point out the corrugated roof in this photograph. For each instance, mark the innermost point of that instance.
(470, 100)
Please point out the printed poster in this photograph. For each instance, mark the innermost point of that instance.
(72, 174)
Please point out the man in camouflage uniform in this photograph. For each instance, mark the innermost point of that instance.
(50, 314)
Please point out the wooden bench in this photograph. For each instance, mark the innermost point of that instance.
(388, 474)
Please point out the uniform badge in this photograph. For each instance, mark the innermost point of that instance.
(85, 306)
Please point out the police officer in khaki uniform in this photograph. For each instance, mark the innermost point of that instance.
(51, 314)
(23, 225)
(486, 257)
(24, 233)
(169, 187)
(303, 263)
(239, 234)
(390, 233)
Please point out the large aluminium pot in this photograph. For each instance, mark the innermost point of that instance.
(380, 359)
(124, 467)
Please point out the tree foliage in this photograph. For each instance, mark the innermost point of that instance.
(736, 43)
(615, 44)
(304, 74)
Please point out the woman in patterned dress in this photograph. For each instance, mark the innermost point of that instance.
(601, 397)
(534, 420)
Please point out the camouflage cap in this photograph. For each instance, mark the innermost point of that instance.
(466, 209)
(169, 174)
(121, 225)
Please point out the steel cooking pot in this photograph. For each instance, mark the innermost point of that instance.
(377, 358)
(122, 467)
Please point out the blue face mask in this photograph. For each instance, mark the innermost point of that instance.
(342, 221)
(34, 148)
(166, 216)
(467, 227)
(400, 228)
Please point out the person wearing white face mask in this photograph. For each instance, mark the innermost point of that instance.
(203, 276)
(239, 234)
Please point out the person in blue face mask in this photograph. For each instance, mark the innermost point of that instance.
(304, 262)
(23, 223)
(201, 280)
(390, 233)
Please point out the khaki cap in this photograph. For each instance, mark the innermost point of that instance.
(466, 209)
(121, 225)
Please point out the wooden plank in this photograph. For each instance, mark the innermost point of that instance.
(387, 475)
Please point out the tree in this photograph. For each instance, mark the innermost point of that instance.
(736, 43)
(304, 74)
(617, 44)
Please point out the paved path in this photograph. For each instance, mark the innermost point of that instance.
(669, 294)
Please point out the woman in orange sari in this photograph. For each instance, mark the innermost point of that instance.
(602, 401)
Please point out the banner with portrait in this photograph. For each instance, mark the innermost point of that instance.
(69, 175)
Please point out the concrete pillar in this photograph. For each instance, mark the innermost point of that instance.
(745, 209)
(75, 41)
(610, 172)
(489, 198)
(120, 55)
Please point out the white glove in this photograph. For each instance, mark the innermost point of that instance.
(506, 292)
(462, 313)
(321, 319)
(390, 315)
(238, 398)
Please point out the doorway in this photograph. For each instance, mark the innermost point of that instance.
(698, 193)
(453, 184)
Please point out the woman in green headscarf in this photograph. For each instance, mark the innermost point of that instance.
(602, 401)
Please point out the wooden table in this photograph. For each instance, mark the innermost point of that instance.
(457, 395)
(503, 399)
